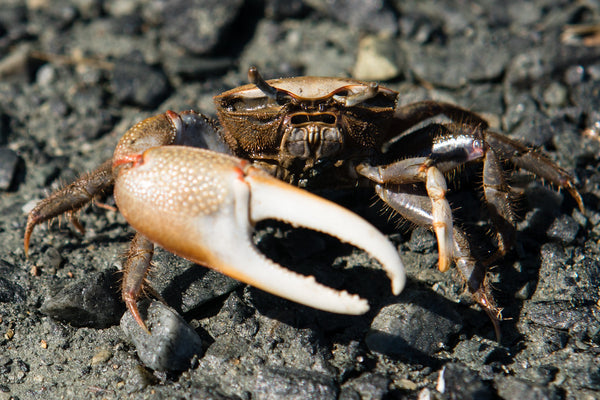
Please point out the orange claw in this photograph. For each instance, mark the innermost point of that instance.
(202, 205)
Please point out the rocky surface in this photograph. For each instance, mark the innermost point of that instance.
(75, 74)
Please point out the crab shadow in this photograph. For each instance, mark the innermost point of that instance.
(338, 265)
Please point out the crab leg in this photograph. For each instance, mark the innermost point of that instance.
(418, 209)
(135, 270)
(202, 205)
(449, 151)
(419, 170)
(69, 199)
(535, 162)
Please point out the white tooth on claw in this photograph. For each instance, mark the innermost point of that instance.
(219, 234)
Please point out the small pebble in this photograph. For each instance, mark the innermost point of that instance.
(564, 228)
(101, 357)
(376, 59)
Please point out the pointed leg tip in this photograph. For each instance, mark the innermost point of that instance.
(133, 309)
(27, 236)
(141, 322)
(444, 264)
(26, 245)
(575, 194)
(493, 312)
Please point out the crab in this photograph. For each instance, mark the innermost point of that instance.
(285, 136)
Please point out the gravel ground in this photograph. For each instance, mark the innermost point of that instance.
(75, 74)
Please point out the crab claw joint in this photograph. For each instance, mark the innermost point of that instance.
(202, 206)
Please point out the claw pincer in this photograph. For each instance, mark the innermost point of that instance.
(202, 205)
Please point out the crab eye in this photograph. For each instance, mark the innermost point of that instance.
(350, 98)
(458, 148)
(280, 96)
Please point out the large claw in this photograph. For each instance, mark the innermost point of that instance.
(202, 206)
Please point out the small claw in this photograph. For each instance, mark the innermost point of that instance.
(131, 304)
(202, 205)
(31, 223)
(575, 194)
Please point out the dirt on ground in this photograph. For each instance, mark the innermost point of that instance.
(76, 74)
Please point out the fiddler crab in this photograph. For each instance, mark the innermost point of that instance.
(286, 135)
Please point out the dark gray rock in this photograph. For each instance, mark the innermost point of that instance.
(190, 67)
(448, 65)
(11, 292)
(172, 344)
(370, 15)
(93, 301)
(510, 387)
(51, 259)
(518, 108)
(585, 95)
(187, 286)
(527, 67)
(585, 370)
(414, 328)
(458, 382)
(562, 316)
(562, 278)
(87, 99)
(137, 83)
(211, 22)
(422, 240)
(477, 351)
(209, 393)
(366, 386)
(59, 16)
(564, 229)
(536, 130)
(276, 9)
(282, 383)
(545, 341)
(138, 379)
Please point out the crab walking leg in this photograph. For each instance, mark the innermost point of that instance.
(497, 196)
(69, 199)
(456, 145)
(135, 270)
(417, 209)
(418, 170)
(442, 216)
(202, 205)
(535, 162)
